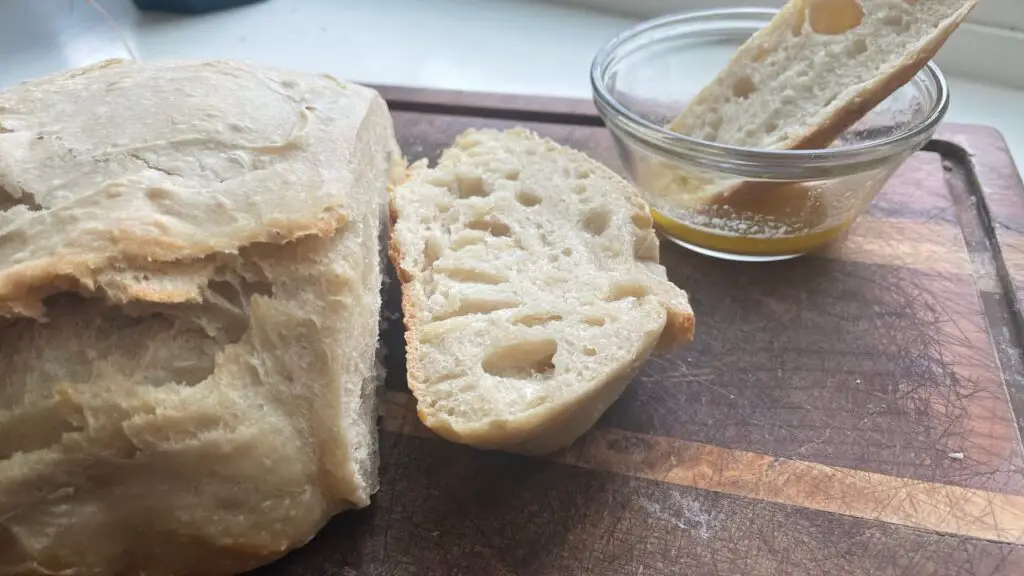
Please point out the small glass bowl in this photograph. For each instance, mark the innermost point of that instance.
(791, 202)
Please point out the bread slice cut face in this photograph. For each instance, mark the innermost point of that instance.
(813, 72)
(190, 270)
(532, 291)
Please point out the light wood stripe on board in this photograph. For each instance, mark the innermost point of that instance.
(928, 246)
(868, 495)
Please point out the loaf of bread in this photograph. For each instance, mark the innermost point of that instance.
(532, 290)
(816, 69)
(190, 269)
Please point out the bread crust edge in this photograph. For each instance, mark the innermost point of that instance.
(546, 429)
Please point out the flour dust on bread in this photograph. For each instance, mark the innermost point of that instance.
(532, 290)
(189, 283)
(816, 69)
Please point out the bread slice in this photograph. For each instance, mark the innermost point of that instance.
(190, 267)
(532, 290)
(816, 69)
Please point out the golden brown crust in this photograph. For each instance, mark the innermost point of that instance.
(409, 309)
(679, 329)
(846, 116)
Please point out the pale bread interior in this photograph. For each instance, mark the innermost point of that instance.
(816, 69)
(532, 290)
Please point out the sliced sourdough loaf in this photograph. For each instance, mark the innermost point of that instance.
(532, 290)
(190, 266)
(816, 69)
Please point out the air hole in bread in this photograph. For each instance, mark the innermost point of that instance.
(627, 290)
(567, 251)
(597, 221)
(444, 206)
(532, 320)
(833, 17)
(470, 185)
(594, 321)
(526, 360)
(180, 349)
(511, 173)
(713, 127)
(9, 200)
(432, 250)
(743, 87)
(858, 47)
(787, 98)
(475, 305)
(896, 20)
(642, 220)
(771, 126)
(226, 291)
(10, 547)
(471, 275)
(589, 351)
(579, 188)
(63, 291)
(468, 141)
(583, 172)
(38, 429)
(528, 198)
(466, 238)
(491, 225)
(442, 179)
(226, 308)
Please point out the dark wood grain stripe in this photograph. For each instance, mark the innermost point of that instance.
(548, 110)
(922, 505)
(445, 509)
(879, 367)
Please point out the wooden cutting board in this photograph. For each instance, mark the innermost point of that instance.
(847, 413)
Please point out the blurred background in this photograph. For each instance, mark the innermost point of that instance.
(514, 46)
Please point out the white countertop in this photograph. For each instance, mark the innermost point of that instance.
(514, 46)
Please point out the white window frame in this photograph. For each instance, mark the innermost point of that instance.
(978, 50)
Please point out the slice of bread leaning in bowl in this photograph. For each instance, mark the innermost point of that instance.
(190, 270)
(815, 70)
(531, 290)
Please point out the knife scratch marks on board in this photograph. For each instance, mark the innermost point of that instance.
(683, 513)
(873, 496)
(922, 505)
(894, 363)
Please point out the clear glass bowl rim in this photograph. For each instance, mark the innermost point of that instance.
(674, 145)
